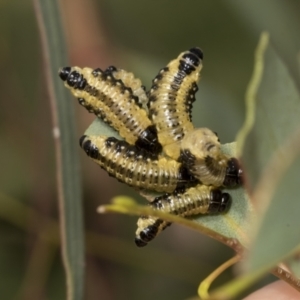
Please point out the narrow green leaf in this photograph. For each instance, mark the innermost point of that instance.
(69, 186)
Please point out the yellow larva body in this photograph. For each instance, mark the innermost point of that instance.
(200, 151)
(132, 82)
(114, 102)
(134, 166)
(196, 200)
(172, 94)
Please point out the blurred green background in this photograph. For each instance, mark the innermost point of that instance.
(142, 37)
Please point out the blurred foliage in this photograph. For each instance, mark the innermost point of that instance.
(141, 37)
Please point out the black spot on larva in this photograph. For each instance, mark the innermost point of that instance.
(97, 72)
(117, 82)
(187, 158)
(157, 203)
(217, 135)
(110, 141)
(158, 77)
(121, 145)
(76, 80)
(152, 98)
(130, 151)
(110, 69)
(152, 113)
(186, 179)
(210, 146)
(154, 87)
(81, 101)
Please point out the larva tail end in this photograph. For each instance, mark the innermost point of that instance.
(139, 242)
(220, 202)
(234, 173)
(64, 73)
(88, 147)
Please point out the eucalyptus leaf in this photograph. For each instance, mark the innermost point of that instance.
(271, 162)
(277, 111)
(278, 233)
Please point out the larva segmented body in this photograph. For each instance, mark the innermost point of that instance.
(132, 82)
(200, 151)
(114, 102)
(196, 200)
(172, 94)
(134, 166)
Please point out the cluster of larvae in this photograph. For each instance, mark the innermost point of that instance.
(161, 150)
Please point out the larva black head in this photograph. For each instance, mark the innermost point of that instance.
(148, 141)
(220, 202)
(186, 179)
(89, 148)
(64, 73)
(73, 78)
(190, 60)
(197, 51)
(234, 173)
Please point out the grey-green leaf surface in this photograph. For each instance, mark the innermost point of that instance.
(69, 182)
(271, 162)
(276, 116)
(277, 237)
(237, 222)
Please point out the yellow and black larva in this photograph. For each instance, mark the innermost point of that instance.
(194, 166)
(132, 82)
(200, 199)
(114, 102)
(172, 94)
(200, 152)
(134, 166)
